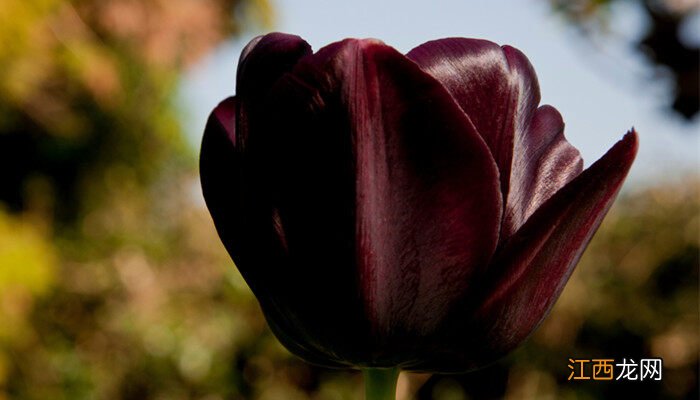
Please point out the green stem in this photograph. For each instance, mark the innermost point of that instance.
(380, 383)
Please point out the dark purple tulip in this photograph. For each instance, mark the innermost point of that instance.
(419, 211)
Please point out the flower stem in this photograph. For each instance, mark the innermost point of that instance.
(380, 383)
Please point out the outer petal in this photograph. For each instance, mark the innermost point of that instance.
(498, 89)
(234, 189)
(535, 264)
(359, 122)
(221, 167)
(531, 269)
(243, 224)
(263, 62)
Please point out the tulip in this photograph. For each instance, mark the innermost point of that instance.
(394, 212)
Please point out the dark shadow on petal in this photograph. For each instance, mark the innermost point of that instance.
(377, 170)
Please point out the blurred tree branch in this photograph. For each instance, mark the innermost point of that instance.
(663, 43)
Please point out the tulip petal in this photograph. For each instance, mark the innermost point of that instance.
(426, 204)
(234, 192)
(263, 62)
(241, 223)
(220, 168)
(499, 97)
(498, 89)
(543, 163)
(231, 187)
(531, 269)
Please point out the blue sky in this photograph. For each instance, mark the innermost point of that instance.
(601, 90)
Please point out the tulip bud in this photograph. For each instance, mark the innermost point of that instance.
(418, 212)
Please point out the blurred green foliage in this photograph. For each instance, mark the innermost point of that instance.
(113, 284)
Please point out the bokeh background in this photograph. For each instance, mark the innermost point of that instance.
(113, 284)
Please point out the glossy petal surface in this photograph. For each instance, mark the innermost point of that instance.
(498, 89)
(543, 163)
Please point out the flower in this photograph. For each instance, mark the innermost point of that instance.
(416, 211)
